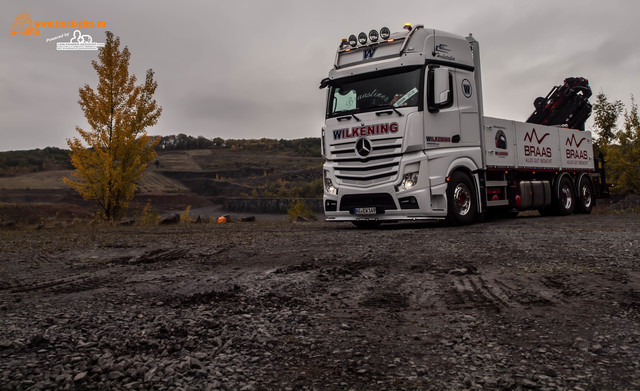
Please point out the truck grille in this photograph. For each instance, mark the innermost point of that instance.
(380, 166)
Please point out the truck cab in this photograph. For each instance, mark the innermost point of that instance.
(402, 112)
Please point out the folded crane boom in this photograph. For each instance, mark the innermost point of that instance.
(566, 105)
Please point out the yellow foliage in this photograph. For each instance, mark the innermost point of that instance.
(620, 147)
(118, 148)
(299, 208)
(184, 217)
(149, 216)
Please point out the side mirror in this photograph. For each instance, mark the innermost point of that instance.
(441, 91)
(324, 83)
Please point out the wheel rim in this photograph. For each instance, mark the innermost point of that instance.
(586, 196)
(462, 199)
(565, 197)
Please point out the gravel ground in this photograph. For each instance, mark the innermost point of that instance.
(532, 303)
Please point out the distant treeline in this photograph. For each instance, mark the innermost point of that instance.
(52, 158)
(305, 147)
(34, 160)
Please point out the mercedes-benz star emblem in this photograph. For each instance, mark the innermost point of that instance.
(363, 147)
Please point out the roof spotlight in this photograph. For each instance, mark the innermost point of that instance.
(362, 38)
(385, 33)
(344, 43)
(353, 41)
(373, 36)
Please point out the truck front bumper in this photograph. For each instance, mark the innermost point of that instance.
(381, 203)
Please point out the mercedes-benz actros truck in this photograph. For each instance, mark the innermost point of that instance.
(405, 137)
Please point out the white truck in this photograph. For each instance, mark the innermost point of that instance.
(405, 137)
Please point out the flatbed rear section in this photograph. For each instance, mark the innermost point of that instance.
(521, 145)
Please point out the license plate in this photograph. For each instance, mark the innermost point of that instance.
(365, 211)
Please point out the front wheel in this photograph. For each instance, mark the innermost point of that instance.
(461, 199)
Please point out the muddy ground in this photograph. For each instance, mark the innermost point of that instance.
(532, 303)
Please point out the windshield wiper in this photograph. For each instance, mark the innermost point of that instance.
(348, 116)
(392, 107)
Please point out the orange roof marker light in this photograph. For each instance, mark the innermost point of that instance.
(407, 26)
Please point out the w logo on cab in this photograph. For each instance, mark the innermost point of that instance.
(367, 54)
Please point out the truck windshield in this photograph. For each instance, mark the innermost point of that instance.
(374, 91)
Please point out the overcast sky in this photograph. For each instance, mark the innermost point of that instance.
(251, 68)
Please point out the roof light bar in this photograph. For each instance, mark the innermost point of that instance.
(374, 36)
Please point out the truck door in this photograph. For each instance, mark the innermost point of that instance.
(468, 107)
(442, 116)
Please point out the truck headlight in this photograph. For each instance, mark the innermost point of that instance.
(329, 187)
(328, 184)
(409, 181)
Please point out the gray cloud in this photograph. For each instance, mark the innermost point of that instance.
(249, 69)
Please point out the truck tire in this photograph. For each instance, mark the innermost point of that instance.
(461, 199)
(566, 199)
(585, 196)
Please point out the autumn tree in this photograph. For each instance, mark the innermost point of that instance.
(111, 158)
(606, 118)
(621, 147)
(624, 156)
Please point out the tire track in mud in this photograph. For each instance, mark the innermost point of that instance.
(95, 279)
(65, 285)
(475, 291)
(153, 256)
(374, 285)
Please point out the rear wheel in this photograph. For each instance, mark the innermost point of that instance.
(566, 197)
(585, 197)
(461, 199)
